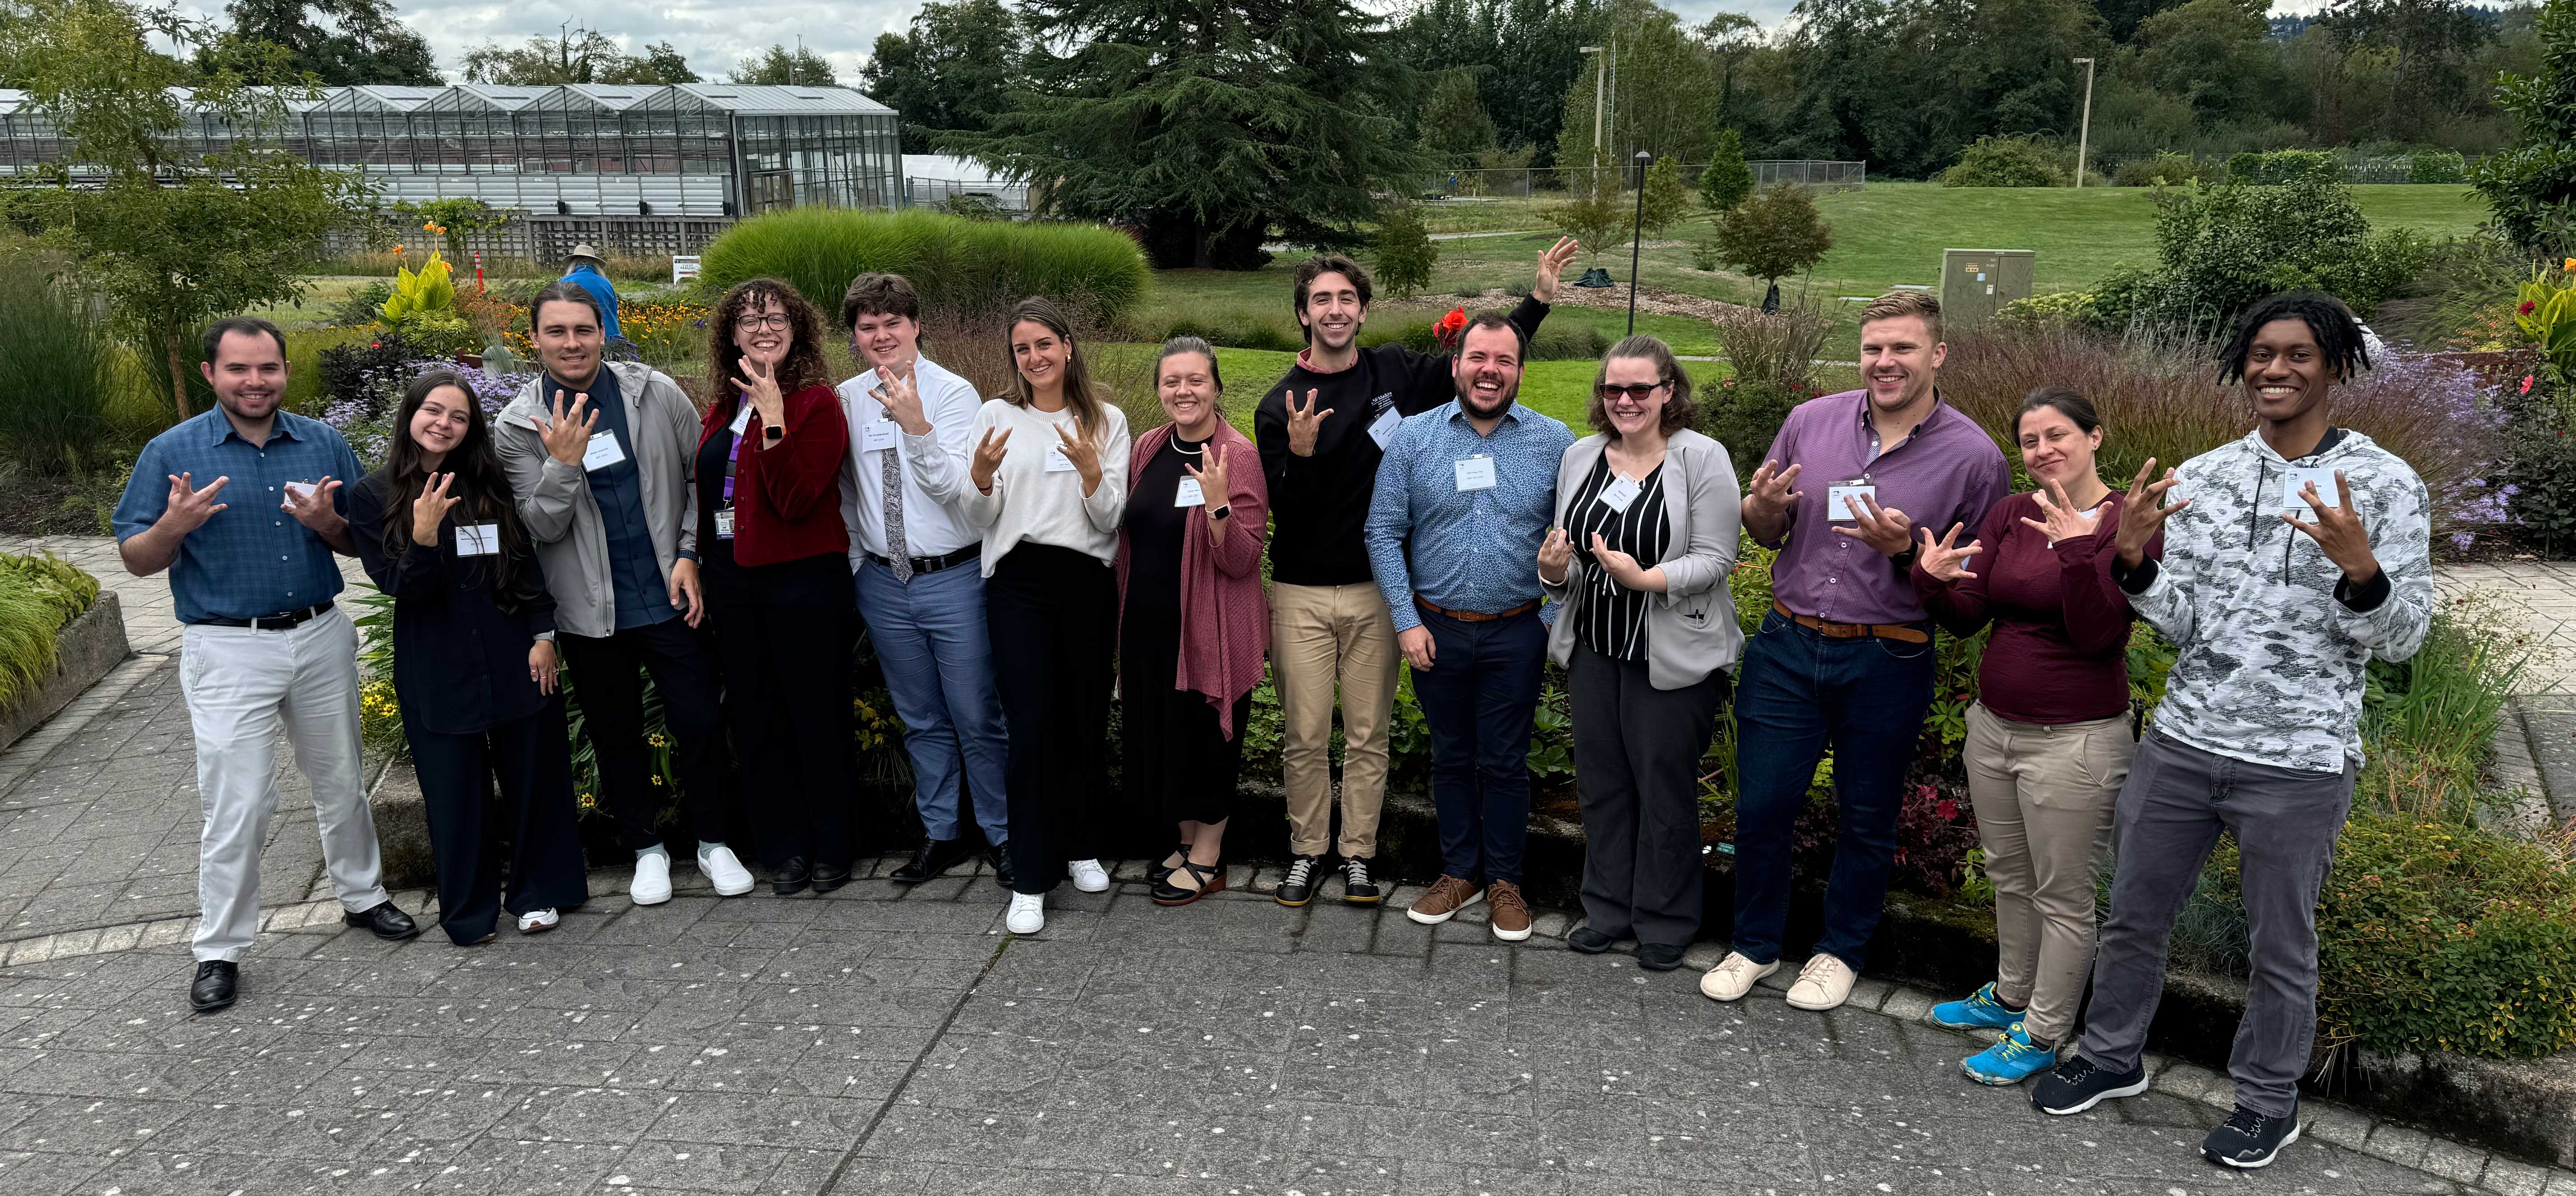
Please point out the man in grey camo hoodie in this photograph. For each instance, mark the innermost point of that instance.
(2293, 556)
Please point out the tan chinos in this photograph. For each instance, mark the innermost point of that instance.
(1322, 637)
(2044, 795)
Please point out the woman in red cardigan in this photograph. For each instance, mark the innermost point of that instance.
(774, 559)
(1193, 621)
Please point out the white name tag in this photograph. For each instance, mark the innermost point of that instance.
(1475, 473)
(742, 419)
(1057, 462)
(1619, 494)
(2298, 480)
(879, 434)
(724, 525)
(603, 452)
(301, 489)
(478, 539)
(1383, 429)
(1188, 494)
(1839, 500)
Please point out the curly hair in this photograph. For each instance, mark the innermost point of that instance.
(2338, 333)
(802, 367)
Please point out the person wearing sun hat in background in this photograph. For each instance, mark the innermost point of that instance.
(585, 269)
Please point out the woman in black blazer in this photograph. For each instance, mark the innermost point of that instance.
(474, 664)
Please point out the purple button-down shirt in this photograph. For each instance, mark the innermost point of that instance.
(1946, 471)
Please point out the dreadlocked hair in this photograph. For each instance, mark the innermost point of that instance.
(2338, 333)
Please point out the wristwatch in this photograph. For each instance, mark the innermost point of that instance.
(1222, 511)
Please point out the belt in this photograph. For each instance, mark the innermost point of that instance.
(276, 622)
(933, 564)
(1855, 631)
(1469, 616)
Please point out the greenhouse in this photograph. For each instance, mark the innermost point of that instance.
(691, 149)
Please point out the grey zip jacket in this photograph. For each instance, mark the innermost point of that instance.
(554, 499)
(2271, 645)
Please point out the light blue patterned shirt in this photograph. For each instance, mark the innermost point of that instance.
(1474, 550)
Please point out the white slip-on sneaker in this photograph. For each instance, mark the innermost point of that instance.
(1088, 875)
(652, 878)
(1825, 983)
(1733, 977)
(724, 871)
(538, 921)
(1028, 913)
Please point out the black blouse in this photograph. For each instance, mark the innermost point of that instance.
(1613, 619)
(460, 644)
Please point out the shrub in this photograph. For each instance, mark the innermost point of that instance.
(2166, 169)
(1665, 200)
(2060, 309)
(1594, 212)
(38, 595)
(2437, 166)
(1405, 251)
(1704, 255)
(2006, 162)
(362, 306)
(2221, 248)
(60, 373)
(1556, 340)
(1774, 234)
(1773, 359)
(954, 262)
(2285, 166)
(1726, 180)
(2531, 184)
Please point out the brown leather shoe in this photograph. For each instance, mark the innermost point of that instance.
(1511, 913)
(1448, 895)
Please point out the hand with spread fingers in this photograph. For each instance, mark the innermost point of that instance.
(1883, 528)
(313, 508)
(1303, 423)
(2062, 519)
(1212, 491)
(988, 457)
(2142, 515)
(1947, 560)
(2338, 531)
(190, 507)
(900, 396)
(1551, 267)
(1773, 491)
(761, 388)
(431, 508)
(567, 435)
(1084, 455)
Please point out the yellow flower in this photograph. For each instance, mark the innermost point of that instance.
(425, 228)
(657, 740)
(657, 780)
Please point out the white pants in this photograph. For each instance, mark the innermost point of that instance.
(241, 684)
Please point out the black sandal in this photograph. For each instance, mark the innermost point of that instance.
(1158, 873)
(1211, 878)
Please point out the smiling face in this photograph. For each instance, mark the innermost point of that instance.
(2054, 449)
(887, 341)
(1488, 371)
(441, 423)
(1897, 360)
(1631, 415)
(569, 340)
(1039, 354)
(1334, 311)
(762, 330)
(1186, 384)
(2286, 374)
(248, 374)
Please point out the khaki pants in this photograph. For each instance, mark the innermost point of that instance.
(1321, 636)
(2044, 796)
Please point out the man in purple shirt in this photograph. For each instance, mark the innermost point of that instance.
(1845, 657)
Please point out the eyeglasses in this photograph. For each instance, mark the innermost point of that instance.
(1637, 393)
(775, 322)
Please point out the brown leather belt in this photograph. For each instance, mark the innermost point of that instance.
(1469, 616)
(1853, 631)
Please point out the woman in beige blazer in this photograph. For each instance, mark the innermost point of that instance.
(1646, 525)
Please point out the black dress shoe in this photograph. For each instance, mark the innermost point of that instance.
(1589, 941)
(1000, 859)
(1658, 957)
(933, 857)
(214, 986)
(791, 877)
(386, 921)
(828, 877)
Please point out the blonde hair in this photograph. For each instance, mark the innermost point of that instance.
(1896, 305)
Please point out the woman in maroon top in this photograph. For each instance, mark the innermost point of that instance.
(774, 557)
(2050, 737)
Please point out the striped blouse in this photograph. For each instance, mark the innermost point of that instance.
(1612, 620)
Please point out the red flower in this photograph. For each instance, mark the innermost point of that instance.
(1448, 327)
(2526, 384)
(1947, 808)
(2526, 309)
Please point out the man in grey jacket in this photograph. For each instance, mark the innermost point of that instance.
(599, 459)
(2294, 556)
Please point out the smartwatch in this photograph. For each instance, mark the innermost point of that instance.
(1222, 511)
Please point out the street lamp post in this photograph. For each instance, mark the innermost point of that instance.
(1637, 237)
(2084, 133)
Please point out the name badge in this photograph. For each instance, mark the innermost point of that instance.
(1057, 462)
(724, 525)
(742, 419)
(603, 452)
(2298, 479)
(1188, 494)
(1383, 428)
(1839, 499)
(1619, 494)
(301, 489)
(1475, 473)
(478, 539)
(879, 434)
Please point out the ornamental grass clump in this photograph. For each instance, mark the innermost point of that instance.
(38, 595)
(953, 262)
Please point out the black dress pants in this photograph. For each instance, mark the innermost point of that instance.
(610, 688)
(533, 763)
(1052, 616)
(1636, 773)
(786, 665)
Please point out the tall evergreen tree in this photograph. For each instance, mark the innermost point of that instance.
(1523, 54)
(1455, 127)
(1727, 180)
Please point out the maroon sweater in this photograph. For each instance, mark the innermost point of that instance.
(2059, 653)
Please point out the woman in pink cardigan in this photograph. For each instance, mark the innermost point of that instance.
(1194, 624)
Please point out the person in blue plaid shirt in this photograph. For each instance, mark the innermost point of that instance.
(243, 505)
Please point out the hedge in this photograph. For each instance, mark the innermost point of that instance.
(953, 262)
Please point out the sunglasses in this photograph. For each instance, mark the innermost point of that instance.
(1637, 393)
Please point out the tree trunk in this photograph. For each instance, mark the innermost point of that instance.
(178, 377)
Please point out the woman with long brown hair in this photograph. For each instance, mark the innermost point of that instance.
(1049, 488)
(774, 556)
(474, 664)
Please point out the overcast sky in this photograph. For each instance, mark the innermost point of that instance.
(715, 35)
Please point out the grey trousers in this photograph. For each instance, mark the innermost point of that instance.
(2176, 801)
(1636, 773)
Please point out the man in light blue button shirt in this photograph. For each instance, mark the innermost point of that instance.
(1464, 497)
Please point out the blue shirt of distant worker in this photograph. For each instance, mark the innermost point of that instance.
(585, 274)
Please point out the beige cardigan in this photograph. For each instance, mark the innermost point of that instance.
(1690, 628)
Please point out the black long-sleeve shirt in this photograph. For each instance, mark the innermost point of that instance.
(460, 647)
(1319, 504)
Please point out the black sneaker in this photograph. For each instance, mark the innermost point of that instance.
(2250, 1139)
(1298, 887)
(1589, 941)
(1357, 888)
(2077, 1085)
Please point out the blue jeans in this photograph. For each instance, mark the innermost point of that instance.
(929, 638)
(1478, 701)
(1798, 691)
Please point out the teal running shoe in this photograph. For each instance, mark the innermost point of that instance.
(2010, 1061)
(1981, 1011)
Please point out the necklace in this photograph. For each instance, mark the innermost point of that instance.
(1183, 447)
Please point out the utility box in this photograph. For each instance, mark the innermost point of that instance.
(1977, 283)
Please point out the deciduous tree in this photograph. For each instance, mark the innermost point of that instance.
(778, 64)
(1773, 234)
(952, 69)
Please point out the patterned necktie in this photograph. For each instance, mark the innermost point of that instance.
(892, 472)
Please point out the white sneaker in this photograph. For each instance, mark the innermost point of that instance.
(538, 921)
(1825, 983)
(1733, 977)
(723, 871)
(652, 878)
(1028, 913)
(1089, 876)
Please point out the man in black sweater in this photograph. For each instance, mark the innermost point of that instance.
(1321, 431)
